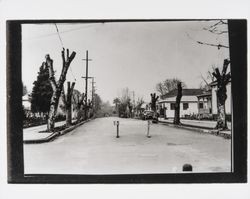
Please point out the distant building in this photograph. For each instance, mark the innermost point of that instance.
(188, 105)
(26, 102)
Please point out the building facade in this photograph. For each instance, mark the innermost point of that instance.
(189, 103)
(195, 102)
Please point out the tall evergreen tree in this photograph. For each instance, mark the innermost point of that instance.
(41, 92)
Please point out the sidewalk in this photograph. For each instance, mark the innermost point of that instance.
(198, 123)
(202, 126)
(34, 135)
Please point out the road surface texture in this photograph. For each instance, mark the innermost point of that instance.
(94, 149)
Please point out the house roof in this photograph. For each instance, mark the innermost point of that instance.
(207, 93)
(185, 92)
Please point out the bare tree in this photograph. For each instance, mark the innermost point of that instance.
(154, 99)
(125, 105)
(116, 101)
(138, 106)
(67, 100)
(168, 85)
(220, 27)
(160, 88)
(57, 86)
(139, 102)
(177, 104)
(125, 95)
(206, 80)
(78, 104)
(222, 80)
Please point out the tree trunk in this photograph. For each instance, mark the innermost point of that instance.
(79, 105)
(221, 121)
(222, 80)
(154, 99)
(177, 114)
(69, 104)
(53, 110)
(57, 87)
(177, 105)
(221, 99)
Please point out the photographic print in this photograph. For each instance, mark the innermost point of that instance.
(128, 98)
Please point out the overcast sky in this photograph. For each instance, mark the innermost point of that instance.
(136, 55)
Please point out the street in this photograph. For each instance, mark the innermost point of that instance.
(94, 149)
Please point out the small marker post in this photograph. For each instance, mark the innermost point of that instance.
(117, 128)
(148, 135)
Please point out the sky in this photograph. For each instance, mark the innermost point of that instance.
(136, 55)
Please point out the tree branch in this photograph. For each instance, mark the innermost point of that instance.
(72, 56)
(72, 88)
(227, 78)
(215, 45)
(215, 75)
(225, 65)
(63, 56)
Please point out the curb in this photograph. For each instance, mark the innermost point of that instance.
(199, 129)
(54, 135)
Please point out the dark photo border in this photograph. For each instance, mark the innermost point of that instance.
(238, 57)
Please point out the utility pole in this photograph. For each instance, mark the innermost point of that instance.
(92, 87)
(133, 103)
(86, 84)
(93, 91)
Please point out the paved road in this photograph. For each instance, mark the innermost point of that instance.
(93, 149)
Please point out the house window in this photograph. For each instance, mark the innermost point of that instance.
(201, 105)
(185, 106)
(172, 105)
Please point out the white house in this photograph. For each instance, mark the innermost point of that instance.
(26, 102)
(189, 102)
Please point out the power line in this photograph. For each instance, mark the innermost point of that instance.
(61, 32)
(63, 48)
(59, 35)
